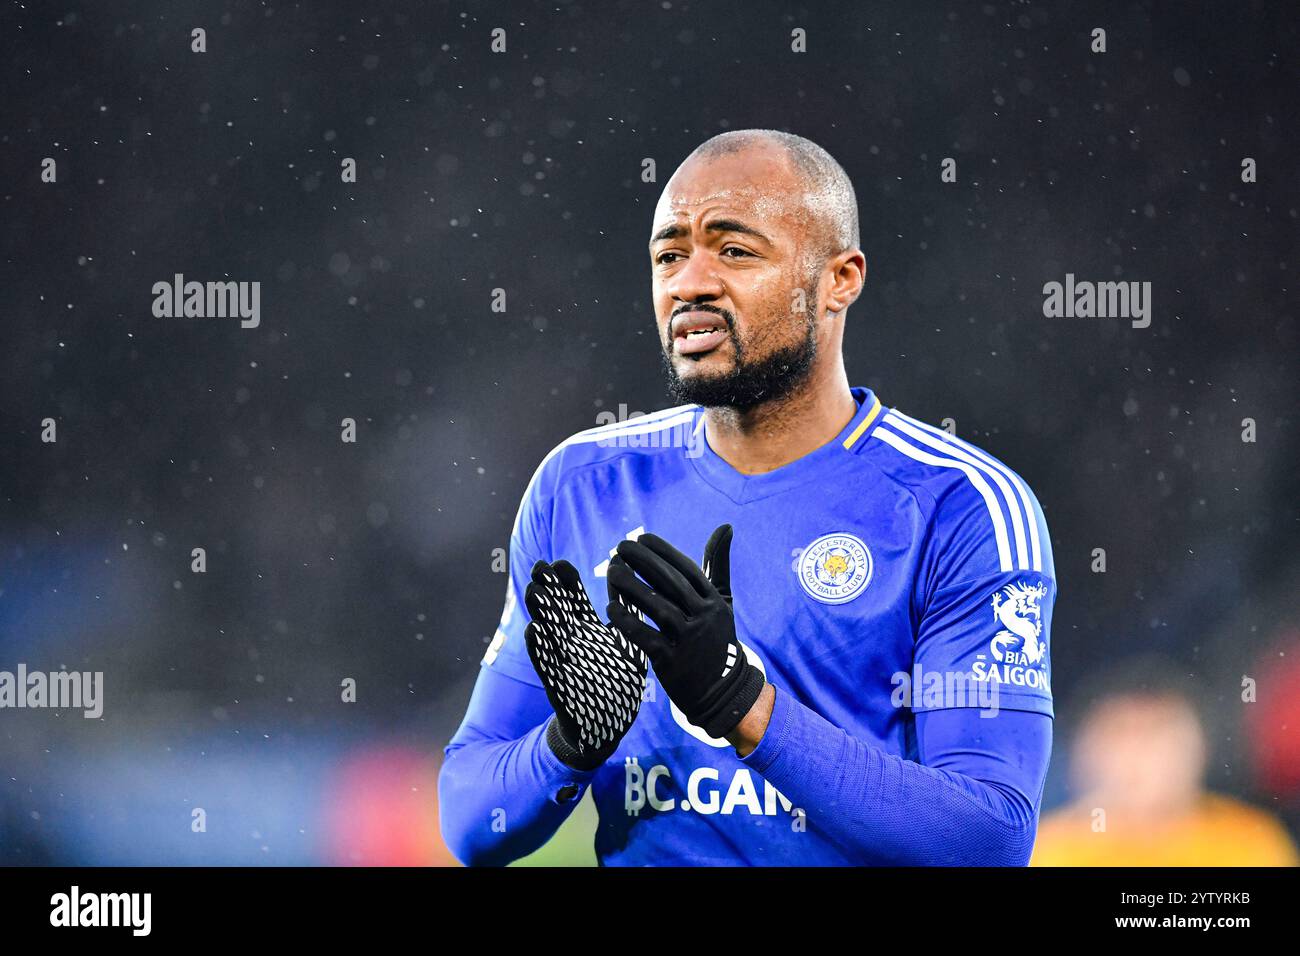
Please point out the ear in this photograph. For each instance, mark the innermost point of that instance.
(848, 273)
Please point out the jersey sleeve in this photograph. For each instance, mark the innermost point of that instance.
(530, 542)
(972, 800)
(987, 590)
(498, 769)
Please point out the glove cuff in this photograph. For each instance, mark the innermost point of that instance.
(568, 754)
(738, 703)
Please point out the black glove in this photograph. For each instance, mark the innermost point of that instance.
(593, 676)
(695, 652)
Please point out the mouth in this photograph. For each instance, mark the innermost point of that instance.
(695, 333)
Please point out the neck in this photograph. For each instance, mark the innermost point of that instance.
(767, 436)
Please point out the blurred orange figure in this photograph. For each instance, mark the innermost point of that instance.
(1138, 765)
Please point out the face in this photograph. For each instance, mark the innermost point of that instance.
(730, 254)
(1141, 754)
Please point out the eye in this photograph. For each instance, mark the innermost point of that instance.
(660, 258)
(743, 252)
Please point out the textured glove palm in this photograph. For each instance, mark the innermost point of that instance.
(593, 676)
(695, 653)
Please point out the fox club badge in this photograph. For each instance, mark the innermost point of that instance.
(835, 568)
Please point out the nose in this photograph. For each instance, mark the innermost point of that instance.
(697, 280)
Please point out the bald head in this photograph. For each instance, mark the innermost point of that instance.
(830, 206)
(754, 260)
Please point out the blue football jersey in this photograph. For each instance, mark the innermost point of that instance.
(895, 569)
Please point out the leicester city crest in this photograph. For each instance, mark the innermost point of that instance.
(835, 568)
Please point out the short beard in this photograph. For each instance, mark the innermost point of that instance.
(749, 384)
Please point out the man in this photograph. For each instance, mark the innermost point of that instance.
(849, 552)
(1138, 776)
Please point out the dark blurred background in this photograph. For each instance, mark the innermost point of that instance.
(521, 170)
